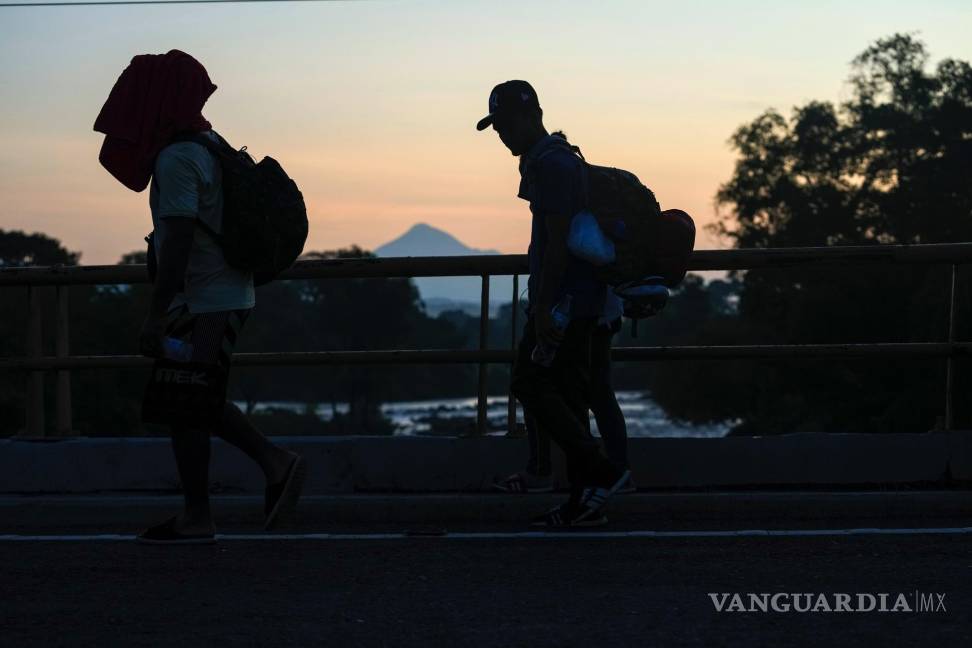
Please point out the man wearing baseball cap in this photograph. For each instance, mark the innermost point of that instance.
(551, 376)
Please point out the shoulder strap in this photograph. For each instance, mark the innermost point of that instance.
(576, 151)
(586, 167)
(585, 175)
(562, 146)
(214, 149)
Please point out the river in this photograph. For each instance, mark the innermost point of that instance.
(457, 416)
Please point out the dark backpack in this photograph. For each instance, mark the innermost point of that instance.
(648, 242)
(264, 217)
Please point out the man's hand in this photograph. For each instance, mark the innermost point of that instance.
(150, 338)
(546, 330)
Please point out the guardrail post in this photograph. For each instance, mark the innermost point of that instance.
(483, 341)
(950, 361)
(511, 403)
(34, 414)
(62, 396)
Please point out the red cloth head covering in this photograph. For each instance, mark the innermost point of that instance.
(156, 97)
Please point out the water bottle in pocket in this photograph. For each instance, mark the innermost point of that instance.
(543, 354)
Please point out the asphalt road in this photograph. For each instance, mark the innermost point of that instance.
(442, 592)
(470, 592)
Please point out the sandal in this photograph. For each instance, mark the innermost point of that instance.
(165, 534)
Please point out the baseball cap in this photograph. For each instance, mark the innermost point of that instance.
(509, 98)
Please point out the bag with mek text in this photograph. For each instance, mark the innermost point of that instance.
(187, 394)
(264, 216)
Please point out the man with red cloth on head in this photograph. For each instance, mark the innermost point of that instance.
(199, 302)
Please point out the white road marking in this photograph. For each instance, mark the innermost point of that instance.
(526, 535)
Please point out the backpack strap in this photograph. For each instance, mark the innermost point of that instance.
(216, 149)
(219, 149)
(585, 174)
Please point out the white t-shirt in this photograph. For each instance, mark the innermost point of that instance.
(187, 183)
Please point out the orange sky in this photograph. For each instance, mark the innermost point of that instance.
(371, 106)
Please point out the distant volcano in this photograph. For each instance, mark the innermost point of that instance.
(425, 240)
(440, 292)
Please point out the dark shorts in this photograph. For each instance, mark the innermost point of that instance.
(212, 335)
(193, 393)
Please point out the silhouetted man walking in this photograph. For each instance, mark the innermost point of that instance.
(199, 302)
(551, 376)
(538, 475)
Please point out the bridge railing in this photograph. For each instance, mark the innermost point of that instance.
(35, 279)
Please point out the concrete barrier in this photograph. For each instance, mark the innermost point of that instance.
(449, 464)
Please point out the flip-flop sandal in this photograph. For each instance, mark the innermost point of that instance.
(165, 534)
(280, 499)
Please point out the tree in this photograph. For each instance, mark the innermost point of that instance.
(18, 249)
(347, 315)
(890, 165)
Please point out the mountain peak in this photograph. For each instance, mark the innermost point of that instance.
(422, 239)
(419, 228)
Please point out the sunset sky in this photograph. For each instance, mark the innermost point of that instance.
(371, 106)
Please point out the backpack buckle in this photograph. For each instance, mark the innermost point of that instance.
(644, 297)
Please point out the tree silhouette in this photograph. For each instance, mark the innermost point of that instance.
(19, 249)
(890, 165)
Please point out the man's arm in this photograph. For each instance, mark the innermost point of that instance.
(173, 260)
(178, 178)
(556, 186)
(555, 259)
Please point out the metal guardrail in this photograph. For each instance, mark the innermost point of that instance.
(61, 277)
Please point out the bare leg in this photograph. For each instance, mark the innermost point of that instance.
(191, 448)
(239, 431)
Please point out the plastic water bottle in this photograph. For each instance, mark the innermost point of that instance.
(543, 354)
(176, 349)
